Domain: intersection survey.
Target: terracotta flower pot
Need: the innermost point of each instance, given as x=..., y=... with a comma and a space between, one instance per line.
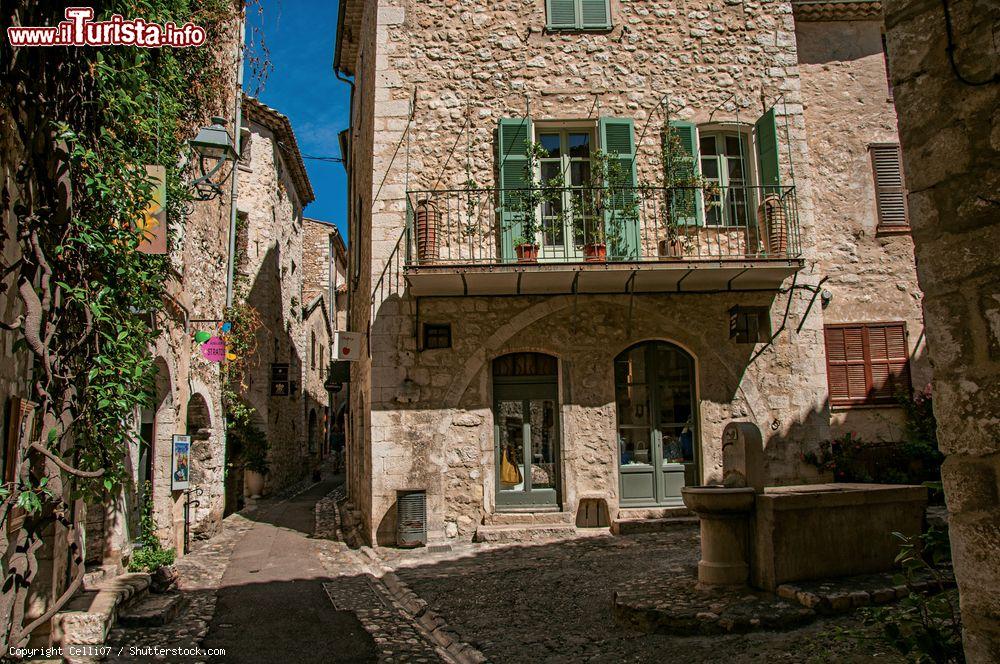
x=254, y=483
x=527, y=253
x=670, y=249
x=428, y=223
x=595, y=252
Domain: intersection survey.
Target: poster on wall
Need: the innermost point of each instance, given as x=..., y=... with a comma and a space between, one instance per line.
x=180, y=465
x=153, y=224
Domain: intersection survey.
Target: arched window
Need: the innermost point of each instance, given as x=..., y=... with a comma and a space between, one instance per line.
x=656, y=407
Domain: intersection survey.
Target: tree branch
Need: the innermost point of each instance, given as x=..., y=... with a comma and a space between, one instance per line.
x=38, y=447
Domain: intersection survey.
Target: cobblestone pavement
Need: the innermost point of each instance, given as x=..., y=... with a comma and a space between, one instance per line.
x=349, y=579
x=553, y=603
x=199, y=575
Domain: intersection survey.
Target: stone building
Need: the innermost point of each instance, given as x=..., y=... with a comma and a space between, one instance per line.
x=946, y=85
x=274, y=189
x=536, y=362
x=324, y=291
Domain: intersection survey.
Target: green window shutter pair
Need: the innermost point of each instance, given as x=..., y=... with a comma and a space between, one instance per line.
x=617, y=136
x=578, y=14
x=621, y=213
x=685, y=203
x=513, y=138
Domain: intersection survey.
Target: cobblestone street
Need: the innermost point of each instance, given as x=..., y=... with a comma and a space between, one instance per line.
x=548, y=602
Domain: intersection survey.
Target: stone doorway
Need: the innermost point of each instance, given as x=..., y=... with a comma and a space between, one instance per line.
x=526, y=431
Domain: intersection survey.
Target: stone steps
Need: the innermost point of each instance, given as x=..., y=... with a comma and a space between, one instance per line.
x=153, y=611
x=640, y=526
x=89, y=616
x=524, y=532
x=528, y=518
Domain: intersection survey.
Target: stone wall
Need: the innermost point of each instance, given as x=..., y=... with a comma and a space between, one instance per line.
x=950, y=132
x=272, y=272
x=871, y=273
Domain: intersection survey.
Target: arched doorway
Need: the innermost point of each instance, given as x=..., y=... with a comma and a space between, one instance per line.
x=526, y=430
x=311, y=432
x=656, y=405
x=199, y=427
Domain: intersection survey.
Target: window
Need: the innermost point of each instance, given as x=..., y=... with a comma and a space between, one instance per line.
x=568, y=223
x=578, y=14
x=725, y=163
x=890, y=190
x=750, y=325
x=437, y=336
x=867, y=363
x=312, y=351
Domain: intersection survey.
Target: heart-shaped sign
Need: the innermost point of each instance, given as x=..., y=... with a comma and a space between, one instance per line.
x=346, y=350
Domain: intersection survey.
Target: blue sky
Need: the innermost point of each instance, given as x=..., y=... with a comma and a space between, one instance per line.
x=300, y=35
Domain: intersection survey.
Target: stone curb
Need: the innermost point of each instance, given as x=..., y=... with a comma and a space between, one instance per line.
x=90, y=615
x=844, y=602
x=436, y=627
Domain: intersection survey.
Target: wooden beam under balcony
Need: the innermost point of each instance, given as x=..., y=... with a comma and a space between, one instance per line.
x=680, y=276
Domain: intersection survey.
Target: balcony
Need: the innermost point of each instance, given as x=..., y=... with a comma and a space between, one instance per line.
x=599, y=240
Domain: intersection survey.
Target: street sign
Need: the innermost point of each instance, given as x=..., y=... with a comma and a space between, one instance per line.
x=214, y=350
x=348, y=345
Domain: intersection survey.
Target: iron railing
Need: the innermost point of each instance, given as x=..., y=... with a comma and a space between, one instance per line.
x=600, y=224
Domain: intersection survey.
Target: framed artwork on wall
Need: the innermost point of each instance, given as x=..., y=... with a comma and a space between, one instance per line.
x=180, y=463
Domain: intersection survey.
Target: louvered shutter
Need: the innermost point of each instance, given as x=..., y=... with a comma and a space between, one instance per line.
x=766, y=137
x=513, y=136
x=889, y=361
x=595, y=14
x=685, y=203
x=890, y=193
x=621, y=224
x=561, y=14
x=867, y=363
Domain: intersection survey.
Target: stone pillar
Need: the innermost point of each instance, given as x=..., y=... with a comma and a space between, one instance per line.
x=949, y=130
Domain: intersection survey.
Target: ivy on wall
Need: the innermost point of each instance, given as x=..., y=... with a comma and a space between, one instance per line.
x=79, y=126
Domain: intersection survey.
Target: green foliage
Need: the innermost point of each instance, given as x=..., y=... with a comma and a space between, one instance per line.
x=926, y=626
x=247, y=445
x=149, y=559
x=914, y=460
x=150, y=555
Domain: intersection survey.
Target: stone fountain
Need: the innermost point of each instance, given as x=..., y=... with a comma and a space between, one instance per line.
x=772, y=536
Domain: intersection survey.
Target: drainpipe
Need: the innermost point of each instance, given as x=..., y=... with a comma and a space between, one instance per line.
x=237, y=130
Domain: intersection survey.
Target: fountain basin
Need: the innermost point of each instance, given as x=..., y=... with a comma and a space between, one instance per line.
x=717, y=500
x=725, y=529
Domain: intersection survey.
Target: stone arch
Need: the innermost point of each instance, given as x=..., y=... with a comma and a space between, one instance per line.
x=164, y=427
x=311, y=431
x=496, y=343
x=199, y=427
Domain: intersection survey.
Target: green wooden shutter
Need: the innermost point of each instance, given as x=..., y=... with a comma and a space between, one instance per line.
x=621, y=213
x=767, y=152
x=685, y=203
x=513, y=137
x=595, y=14
x=561, y=14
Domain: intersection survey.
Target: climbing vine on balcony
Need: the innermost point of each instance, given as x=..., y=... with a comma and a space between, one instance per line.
x=79, y=125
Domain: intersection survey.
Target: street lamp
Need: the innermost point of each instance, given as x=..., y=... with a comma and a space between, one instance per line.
x=212, y=143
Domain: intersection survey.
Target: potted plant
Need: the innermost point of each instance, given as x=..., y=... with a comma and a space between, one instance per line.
x=525, y=206
x=249, y=444
x=527, y=251
x=681, y=183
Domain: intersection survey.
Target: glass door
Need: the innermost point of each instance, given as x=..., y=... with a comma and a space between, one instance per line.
x=654, y=395
x=724, y=163
x=526, y=432
x=567, y=221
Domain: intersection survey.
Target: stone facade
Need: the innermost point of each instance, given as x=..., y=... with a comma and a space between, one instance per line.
x=433, y=77
x=272, y=193
x=848, y=107
x=950, y=132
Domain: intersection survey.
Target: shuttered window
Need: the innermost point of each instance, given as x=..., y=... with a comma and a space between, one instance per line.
x=578, y=14
x=890, y=191
x=867, y=363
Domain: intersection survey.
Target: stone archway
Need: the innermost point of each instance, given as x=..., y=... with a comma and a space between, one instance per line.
x=199, y=427
x=164, y=417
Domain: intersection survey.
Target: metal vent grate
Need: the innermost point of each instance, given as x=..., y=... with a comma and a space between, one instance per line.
x=411, y=518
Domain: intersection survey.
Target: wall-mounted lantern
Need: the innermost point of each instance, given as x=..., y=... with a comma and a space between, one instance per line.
x=212, y=143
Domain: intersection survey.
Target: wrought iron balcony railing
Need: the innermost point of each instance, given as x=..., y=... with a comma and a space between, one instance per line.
x=489, y=226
